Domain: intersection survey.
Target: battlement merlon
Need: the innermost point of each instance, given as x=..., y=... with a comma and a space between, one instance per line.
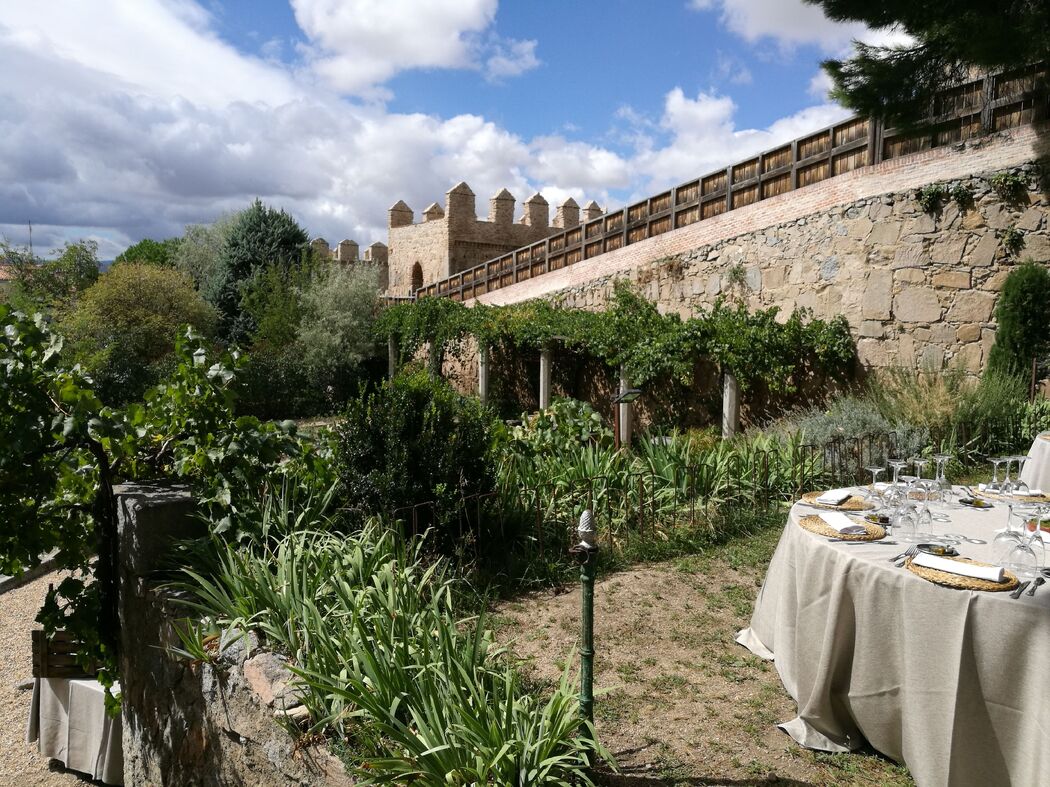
x=346, y=251
x=400, y=214
x=568, y=215
x=592, y=210
x=459, y=204
x=537, y=212
x=501, y=208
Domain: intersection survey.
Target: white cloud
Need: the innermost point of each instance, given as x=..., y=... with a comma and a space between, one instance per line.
x=357, y=45
x=510, y=58
x=792, y=23
x=162, y=124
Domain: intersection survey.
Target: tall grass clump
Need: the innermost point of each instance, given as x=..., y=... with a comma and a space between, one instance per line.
x=385, y=664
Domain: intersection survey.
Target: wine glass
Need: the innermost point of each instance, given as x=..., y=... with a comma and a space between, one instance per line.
x=874, y=495
x=920, y=463
x=1020, y=487
x=897, y=465
x=943, y=486
x=924, y=517
x=1005, y=540
x=993, y=485
x=1007, y=487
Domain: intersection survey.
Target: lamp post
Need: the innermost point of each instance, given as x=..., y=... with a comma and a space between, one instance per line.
x=586, y=554
x=624, y=397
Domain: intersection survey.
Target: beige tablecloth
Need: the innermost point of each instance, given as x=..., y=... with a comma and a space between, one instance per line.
x=953, y=683
x=68, y=718
x=1036, y=471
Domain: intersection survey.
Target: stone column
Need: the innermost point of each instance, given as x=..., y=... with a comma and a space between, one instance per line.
x=545, y=378
x=483, y=373
x=626, y=412
x=391, y=356
x=730, y=405
x=150, y=517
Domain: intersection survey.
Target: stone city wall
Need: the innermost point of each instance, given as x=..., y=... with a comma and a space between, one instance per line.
x=915, y=287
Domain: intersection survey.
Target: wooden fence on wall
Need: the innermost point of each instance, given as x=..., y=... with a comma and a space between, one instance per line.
x=990, y=103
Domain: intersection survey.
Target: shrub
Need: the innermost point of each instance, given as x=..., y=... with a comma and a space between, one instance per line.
x=1010, y=186
x=930, y=198
x=339, y=308
x=412, y=441
x=199, y=254
x=1023, y=314
x=52, y=286
x=123, y=328
x=151, y=252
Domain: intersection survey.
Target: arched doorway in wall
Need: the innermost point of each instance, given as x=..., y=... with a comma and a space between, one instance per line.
x=417, y=277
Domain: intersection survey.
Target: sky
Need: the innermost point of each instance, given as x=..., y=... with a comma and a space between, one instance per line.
x=127, y=119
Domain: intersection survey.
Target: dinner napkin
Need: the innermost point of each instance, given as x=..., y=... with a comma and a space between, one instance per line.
x=842, y=523
x=834, y=497
x=990, y=573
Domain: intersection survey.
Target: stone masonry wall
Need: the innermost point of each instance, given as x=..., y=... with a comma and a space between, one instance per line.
x=915, y=287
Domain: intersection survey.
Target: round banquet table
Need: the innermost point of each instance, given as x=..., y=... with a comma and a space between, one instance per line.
x=1036, y=471
x=953, y=683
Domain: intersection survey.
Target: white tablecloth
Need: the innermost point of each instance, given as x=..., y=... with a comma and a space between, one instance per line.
x=68, y=718
x=953, y=683
x=1036, y=471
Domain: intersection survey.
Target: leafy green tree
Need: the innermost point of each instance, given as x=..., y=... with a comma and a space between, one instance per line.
x=52, y=285
x=340, y=306
x=274, y=303
x=949, y=41
x=151, y=252
x=260, y=237
x=1023, y=313
x=123, y=328
x=199, y=254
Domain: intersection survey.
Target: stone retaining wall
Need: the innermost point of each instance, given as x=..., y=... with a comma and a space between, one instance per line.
x=916, y=287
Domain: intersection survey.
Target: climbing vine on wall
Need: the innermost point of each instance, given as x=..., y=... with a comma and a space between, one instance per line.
x=630, y=331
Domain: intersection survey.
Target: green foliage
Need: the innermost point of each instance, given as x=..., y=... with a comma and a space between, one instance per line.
x=931, y=197
x=566, y=424
x=273, y=303
x=151, y=252
x=849, y=417
x=52, y=286
x=755, y=346
x=123, y=328
x=1023, y=314
x=339, y=308
x=962, y=196
x=1011, y=187
x=414, y=440
x=261, y=237
x=64, y=451
x=1013, y=240
x=385, y=663
x=947, y=42
x=199, y=254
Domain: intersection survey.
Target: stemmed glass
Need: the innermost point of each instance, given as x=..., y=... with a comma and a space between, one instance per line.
x=920, y=464
x=1007, y=487
x=943, y=486
x=897, y=465
x=1017, y=550
x=993, y=485
x=1020, y=487
x=924, y=517
x=874, y=495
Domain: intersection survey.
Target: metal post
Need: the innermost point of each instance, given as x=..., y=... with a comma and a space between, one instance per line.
x=586, y=554
x=616, y=427
x=391, y=356
x=483, y=373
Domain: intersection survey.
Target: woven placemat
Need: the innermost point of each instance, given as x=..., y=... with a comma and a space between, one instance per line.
x=951, y=580
x=814, y=524
x=854, y=503
x=1038, y=499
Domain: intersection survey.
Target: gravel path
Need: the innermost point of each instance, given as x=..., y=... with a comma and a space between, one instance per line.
x=20, y=763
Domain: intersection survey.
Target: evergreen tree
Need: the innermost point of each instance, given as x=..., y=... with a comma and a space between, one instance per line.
x=1023, y=314
x=151, y=252
x=260, y=237
x=950, y=40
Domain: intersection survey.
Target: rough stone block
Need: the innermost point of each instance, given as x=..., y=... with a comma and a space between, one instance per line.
x=959, y=280
x=909, y=255
x=875, y=352
x=969, y=357
x=916, y=304
x=859, y=228
x=878, y=295
x=884, y=233
x=931, y=357
x=968, y=333
x=871, y=329
x=983, y=253
x=973, y=220
x=942, y=333
x=1037, y=246
x=972, y=306
x=910, y=275
x=1031, y=219
x=948, y=252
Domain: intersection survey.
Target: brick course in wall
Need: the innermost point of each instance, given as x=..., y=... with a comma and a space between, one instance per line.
x=915, y=287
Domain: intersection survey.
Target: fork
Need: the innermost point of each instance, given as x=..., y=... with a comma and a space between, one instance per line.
x=907, y=553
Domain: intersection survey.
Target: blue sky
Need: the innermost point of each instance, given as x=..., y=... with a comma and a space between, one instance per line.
x=132, y=118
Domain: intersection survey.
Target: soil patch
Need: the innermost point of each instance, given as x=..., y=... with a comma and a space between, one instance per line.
x=682, y=702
